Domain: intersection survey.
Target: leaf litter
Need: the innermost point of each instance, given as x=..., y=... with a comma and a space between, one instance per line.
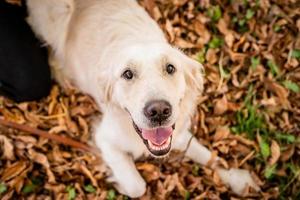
x=249, y=113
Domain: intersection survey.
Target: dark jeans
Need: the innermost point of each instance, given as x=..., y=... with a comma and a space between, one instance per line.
x=24, y=70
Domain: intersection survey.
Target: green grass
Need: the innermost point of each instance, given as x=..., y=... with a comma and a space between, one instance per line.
x=249, y=14
x=250, y=121
x=277, y=28
x=241, y=21
x=29, y=188
x=270, y=171
x=255, y=61
x=200, y=56
x=111, y=194
x=71, y=192
x=3, y=188
x=215, y=42
x=89, y=188
x=187, y=195
x=195, y=170
x=33, y=184
x=291, y=86
x=285, y=138
x=296, y=53
x=273, y=67
x=214, y=13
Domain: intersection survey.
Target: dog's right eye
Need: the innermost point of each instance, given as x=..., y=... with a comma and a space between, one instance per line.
x=128, y=74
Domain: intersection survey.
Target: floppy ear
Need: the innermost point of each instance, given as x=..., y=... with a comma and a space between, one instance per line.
x=105, y=89
x=193, y=76
x=108, y=90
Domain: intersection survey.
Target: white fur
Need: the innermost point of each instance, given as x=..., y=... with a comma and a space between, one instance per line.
x=93, y=42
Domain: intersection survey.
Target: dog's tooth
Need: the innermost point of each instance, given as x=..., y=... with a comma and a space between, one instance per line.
x=159, y=148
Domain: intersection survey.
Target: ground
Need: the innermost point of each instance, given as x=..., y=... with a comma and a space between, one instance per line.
x=249, y=114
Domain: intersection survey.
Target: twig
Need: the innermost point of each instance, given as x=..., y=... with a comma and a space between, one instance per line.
x=57, y=138
x=246, y=158
x=291, y=181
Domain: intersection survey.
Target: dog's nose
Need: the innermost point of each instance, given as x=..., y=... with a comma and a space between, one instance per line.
x=158, y=110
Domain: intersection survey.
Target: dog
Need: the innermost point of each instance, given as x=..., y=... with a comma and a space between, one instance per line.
x=146, y=89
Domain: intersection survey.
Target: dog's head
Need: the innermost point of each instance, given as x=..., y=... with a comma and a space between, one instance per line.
x=156, y=85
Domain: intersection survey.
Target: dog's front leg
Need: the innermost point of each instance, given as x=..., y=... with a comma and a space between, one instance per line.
x=236, y=179
x=125, y=174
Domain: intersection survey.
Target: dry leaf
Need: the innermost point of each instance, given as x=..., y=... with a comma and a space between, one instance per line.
x=221, y=106
x=275, y=152
x=221, y=133
x=43, y=160
x=279, y=90
x=7, y=148
x=13, y=170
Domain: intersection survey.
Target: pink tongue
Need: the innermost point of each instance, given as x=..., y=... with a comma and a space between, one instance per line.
x=157, y=136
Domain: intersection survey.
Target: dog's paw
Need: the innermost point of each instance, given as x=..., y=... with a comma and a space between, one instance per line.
x=237, y=180
x=133, y=188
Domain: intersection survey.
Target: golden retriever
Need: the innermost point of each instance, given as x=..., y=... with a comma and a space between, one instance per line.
x=146, y=89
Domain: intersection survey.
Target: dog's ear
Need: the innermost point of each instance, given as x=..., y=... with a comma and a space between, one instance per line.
x=193, y=76
x=105, y=89
x=108, y=89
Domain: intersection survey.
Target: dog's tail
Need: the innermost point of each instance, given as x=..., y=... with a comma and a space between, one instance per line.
x=50, y=20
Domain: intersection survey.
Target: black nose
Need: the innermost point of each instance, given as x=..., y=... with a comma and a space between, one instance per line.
x=158, y=110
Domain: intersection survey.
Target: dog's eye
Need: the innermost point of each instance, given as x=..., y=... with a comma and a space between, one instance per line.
x=170, y=69
x=128, y=74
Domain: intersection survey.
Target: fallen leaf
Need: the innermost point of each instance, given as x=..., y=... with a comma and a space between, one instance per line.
x=279, y=90
x=221, y=106
x=13, y=170
x=7, y=148
x=221, y=133
x=43, y=160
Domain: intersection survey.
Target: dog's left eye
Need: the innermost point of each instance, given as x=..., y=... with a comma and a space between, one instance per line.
x=170, y=69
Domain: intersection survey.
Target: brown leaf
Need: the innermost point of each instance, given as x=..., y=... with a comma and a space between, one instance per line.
x=288, y=153
x=268, y=102
x=221, y=133
x=82, y=110
x=221, y=106
x=279, y=90
x=43, y=160
x=170, y=31
x=7, y=148
x=233, y=106
x=229, y=37
x=53, y=96
x=13, y=170
x=18, y=182
x=201, y=30
x=150, y=171
x=150, y=5
x=211, y=56
x=89, y=174
x=84, y=126
x=183, y=43
x=58, y=129
x=275, y=152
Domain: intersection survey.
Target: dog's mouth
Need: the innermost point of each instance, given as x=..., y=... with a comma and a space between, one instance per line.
x=157, y=140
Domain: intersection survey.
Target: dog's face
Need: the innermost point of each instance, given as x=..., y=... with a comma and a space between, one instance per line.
x=151, y=85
